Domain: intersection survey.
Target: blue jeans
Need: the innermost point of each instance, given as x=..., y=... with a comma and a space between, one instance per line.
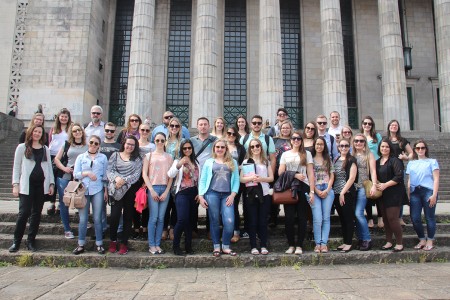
x=217, y=207
x=156, y=219
x=97, y=208
x=61, y=184
x=321, y=215
x=362, y=228
x=186, y=206
x=418, y=200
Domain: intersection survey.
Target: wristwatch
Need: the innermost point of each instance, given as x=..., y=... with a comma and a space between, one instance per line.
x=312, y=192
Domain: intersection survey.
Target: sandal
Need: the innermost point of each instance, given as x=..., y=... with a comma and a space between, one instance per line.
x=317, y=249
x=428, y=247
x=230, y=253
x=264, y=251
x=100, y=250
x=324, y=249
x=216, y=253
x=419, y=246
x=254, y=251
x=78, y=250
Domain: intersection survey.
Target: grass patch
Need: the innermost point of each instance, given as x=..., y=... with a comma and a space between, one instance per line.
x=161, y=267
x=423, y=258
x=79, y=263
x=237, y=262
x=440, y=260
x=5, y=264
x=25, y=260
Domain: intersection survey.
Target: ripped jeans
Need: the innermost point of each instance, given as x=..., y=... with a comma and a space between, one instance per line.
x=217, y=207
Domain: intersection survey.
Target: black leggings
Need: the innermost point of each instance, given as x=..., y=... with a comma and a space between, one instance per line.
x=30, y=206
x=346, y=216
x=127, y=205
x=290, y=211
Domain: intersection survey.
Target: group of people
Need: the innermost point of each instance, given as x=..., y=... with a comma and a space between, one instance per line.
x=217, y=169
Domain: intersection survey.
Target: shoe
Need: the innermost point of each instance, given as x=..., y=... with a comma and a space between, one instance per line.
x=365, y=246
x=171, y=235
x=153, y=250
x=216, y=253
x=290, y=250
x=402, y=223
x=398, y=249
x=135, y=235
x=384, y=248
x=370, y=223
x=160, y=251
x=100, y=250
x=419, y=246
x=264, y=251
x=177, y=251
x=298, y=250
x=235, y=238
x=31, y=246
x=14, y=247
x=428, y=247
x=339, y=248
x=164, y=235
x=317, y=249
x=346, y=250
x=244, y=235
x=112, y=247
x=324, y=249
x=123, y=249
x=254, y=251
x=78, y=250
x=229, y=252
x=69, y=235
x=51, y=210
x=189, y=251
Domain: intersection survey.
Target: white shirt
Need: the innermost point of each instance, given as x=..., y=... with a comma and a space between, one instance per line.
x=333, y=131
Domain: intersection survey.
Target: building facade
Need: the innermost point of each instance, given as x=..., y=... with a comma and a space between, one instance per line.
x=386, y=58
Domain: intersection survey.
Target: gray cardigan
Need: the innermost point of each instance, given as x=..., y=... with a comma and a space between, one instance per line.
x=24, y=166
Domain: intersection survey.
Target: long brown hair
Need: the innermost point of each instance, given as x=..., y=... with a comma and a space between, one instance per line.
x=128, y=128
x=57, y=125
x=347, y=157
x=71, y=139
x=29, y=141
x=373, y=133
x=301, y=149
x=325, y=153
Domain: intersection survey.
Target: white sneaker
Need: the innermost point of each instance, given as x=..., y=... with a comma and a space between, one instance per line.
x=298, y=250
x=290, y=250
x=69, y=235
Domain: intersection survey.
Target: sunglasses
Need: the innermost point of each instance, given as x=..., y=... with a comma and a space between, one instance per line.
x=76, y=130
x=231, y=133
x=220, y=147
x=296, y=138
x=322, y=123
x=110, y=130
x=168, y=117
x=367, y=123
x=257, y=146
x=257, y=123
x=134, y=120
x=310, y=128
x=174, y=126
x=145, y=130
x=344, y=146
x=160, y=141
x=93, y=143
x=96, y=113
x=359, y=141
x=421, y=148
x=282, y=115
x=346, y=132
x=129, y=144
x=187, y=148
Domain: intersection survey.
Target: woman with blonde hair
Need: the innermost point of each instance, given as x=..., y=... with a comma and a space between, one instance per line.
x=37, y=119
x=218, y=185
x=366, y=164
x=132, y=128
x=219, y=128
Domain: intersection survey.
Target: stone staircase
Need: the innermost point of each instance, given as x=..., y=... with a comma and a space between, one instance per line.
x=55, y=250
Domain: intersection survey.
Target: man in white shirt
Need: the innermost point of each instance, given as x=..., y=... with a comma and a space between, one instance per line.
x=335, y=127
x=321, y=122
x=96, y=126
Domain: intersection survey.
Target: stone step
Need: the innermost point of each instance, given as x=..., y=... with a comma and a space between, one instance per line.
x=141, y=260
x=279, y=244
x=57, y=229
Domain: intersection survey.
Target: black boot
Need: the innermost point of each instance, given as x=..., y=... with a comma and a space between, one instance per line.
x=31, y=245
x=189, y=250
x=15, y=247
x=177, y=251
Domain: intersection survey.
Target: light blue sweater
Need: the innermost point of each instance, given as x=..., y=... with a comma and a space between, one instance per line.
x=207, y=174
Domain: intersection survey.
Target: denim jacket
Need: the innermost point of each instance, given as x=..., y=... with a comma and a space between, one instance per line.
x=97, y=166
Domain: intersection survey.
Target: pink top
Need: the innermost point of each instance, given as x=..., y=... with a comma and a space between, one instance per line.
x=159, y=165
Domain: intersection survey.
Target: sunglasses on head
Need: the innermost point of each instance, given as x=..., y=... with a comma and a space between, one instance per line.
x=93, y=143
x=110, y=130
x=257, y=146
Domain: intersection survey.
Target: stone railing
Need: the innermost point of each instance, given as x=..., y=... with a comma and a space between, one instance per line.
x=9, y=125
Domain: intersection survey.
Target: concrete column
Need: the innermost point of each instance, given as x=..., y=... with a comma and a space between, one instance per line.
x=442, y=17
x=395, y=103
x=334, y=89
x=139, y=94
x=205, y=102
x=270, y=59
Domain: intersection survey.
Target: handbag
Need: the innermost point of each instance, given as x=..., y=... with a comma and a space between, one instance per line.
x=288, y=196
x=367, y=187
x=74, y=195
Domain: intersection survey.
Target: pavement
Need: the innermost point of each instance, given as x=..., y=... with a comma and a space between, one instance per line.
x=380, y=281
